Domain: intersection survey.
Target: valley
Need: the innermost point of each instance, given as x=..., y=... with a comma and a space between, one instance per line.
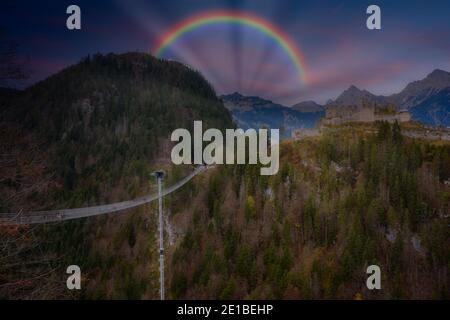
x=357, y=194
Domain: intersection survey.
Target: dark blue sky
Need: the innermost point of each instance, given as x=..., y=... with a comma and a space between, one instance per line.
x=338, y=48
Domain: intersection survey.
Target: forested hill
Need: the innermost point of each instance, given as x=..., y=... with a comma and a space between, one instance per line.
x=88, y=135
x=109, y=115
x=106, y=87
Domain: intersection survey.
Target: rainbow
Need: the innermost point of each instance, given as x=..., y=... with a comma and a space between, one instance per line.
x=227, y=16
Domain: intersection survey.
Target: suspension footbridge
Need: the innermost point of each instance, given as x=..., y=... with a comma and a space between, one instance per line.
x=56, y=215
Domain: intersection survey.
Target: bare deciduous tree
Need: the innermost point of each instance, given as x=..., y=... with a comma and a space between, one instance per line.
x=26, y=270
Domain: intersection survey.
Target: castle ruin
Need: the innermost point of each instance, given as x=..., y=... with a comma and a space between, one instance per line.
x=335, y=115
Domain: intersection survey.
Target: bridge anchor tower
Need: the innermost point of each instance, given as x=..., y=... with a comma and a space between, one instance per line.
x=160, y=176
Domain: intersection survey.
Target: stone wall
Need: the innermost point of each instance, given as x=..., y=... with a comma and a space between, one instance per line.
x=337, y=115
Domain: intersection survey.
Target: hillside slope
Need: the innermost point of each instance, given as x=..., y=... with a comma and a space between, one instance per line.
x=340, y=203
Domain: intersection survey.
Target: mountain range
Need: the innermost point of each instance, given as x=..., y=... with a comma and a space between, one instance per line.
x=255, y=112
x=428, y=101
